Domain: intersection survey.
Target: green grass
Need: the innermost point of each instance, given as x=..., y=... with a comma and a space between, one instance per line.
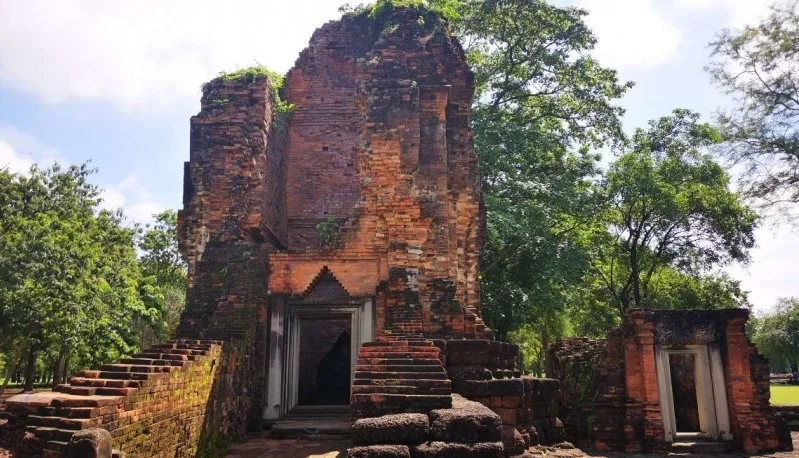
x=784, y=395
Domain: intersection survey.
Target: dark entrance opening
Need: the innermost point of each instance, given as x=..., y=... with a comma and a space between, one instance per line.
x=683, y=389
x=325, y=361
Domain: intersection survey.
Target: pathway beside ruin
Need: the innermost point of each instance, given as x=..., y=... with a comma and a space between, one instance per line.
x=297, y=448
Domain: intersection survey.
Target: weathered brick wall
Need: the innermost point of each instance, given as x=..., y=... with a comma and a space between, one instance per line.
x=593, y=398
x=234, y=183
x=485, y=371
x=753, y=418
x=159, y=409
x=610, y=386
x=379, y=141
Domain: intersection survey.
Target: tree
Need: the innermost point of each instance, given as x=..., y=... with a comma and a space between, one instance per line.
x=69, y=277
x=757, y=65
x=776, y=335
x=164, y=278
x=541, y=102
x=668, y=204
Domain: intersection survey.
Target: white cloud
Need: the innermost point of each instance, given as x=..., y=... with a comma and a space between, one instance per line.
x=145, y=55
x=10, y=159
x=774, y=270
x=19, y=150
x=137, y=202
x=632, y=34
x=737, y=13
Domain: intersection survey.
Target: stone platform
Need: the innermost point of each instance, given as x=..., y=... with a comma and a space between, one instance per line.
x=314, y=423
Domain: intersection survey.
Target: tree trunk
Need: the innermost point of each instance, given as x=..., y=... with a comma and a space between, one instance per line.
x=9, y=373
x=635, y=272
x=30, y=370
x=66, y=368
x=60, y=369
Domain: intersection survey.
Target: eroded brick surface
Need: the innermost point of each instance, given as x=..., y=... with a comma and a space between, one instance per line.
x=610, y=386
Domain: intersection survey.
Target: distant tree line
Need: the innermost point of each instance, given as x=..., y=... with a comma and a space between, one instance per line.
x=78, y=286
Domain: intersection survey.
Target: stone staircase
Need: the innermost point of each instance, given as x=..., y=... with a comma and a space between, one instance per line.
x=399, y=374
x=701, y=446
x=109, y=398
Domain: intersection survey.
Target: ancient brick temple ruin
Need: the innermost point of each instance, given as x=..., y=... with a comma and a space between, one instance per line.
x=669, y=379
x=333, y=260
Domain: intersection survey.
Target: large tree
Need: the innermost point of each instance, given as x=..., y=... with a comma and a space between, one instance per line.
x=759, y=67
x=542, y=101
x=668, y=204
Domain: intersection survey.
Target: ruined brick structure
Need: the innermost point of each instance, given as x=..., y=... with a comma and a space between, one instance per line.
x=340, y=239
x=617, y=392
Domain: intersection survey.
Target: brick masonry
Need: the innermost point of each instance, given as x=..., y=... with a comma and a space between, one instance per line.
x=378, y=147
x=155, y=404
x=610, y=388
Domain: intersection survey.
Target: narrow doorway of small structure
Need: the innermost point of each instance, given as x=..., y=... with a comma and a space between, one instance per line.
x=692, y=392
x=683, y=388
x=325, y=361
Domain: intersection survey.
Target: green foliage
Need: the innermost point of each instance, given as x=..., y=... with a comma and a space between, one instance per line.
x=328, y=233
x=281, y=110
x=667, y=204
x=163, y=283
x=541, y=102
x=380, y=10
x=72, y=290
x=757, y=67
x=776, y=334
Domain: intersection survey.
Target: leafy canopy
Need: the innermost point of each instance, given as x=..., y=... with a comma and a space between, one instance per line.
x=757, y=66
x=668, y=203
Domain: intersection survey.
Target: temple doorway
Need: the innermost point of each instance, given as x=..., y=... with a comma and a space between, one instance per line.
x=325, y=361
x=692, y=392
x=313, y=344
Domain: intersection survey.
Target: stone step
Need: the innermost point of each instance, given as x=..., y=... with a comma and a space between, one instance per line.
x=700, y=446
x=104, y=382
x=129, y=375
x=167, y=356
x=142, y=369
x=399, y=375
x=152, y=362
x=47, y=433
x=399, y=361
x=77, y=412
x=376, y=404
x=57, y=446
x=400, y=349
x=400, y=368
x=383, y=389
x=397, y=343
x=425, y=384
x=91, y=390
x=395, y=355
x=74, y=424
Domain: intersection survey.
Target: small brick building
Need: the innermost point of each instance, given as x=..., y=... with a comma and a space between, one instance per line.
x=667, y=376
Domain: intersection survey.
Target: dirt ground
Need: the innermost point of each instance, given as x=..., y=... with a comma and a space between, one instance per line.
x=554, y=452
x=268, y=448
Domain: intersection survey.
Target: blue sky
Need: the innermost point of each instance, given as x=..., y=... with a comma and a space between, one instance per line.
x=116, y=82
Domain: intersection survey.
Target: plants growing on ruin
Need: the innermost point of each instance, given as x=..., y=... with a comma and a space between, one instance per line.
x=281, y=109
x=329, y=234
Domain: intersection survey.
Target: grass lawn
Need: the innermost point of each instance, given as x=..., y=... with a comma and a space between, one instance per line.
x=785, y=395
